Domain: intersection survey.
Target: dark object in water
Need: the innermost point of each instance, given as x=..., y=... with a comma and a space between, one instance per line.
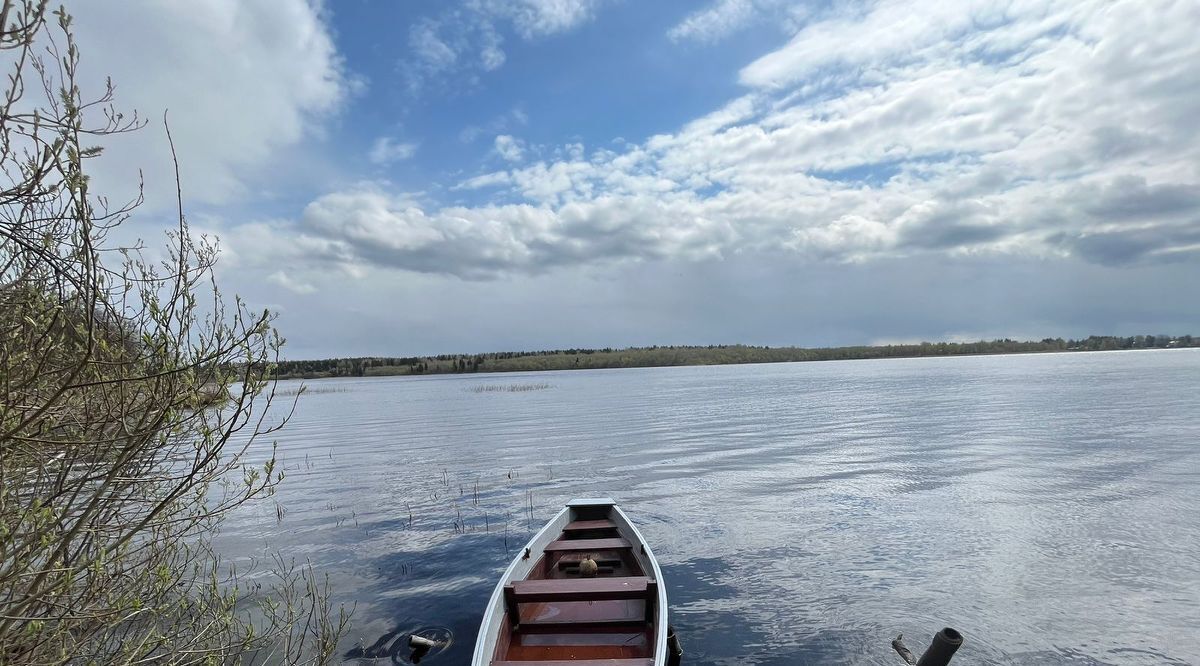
x=421, y=647
x=547, y=610
x=945, y=643
x=674, y=650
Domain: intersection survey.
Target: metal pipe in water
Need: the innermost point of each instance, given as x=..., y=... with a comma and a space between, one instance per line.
x=945, y=643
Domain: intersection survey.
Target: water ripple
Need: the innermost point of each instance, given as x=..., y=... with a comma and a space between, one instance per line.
x=803, y=513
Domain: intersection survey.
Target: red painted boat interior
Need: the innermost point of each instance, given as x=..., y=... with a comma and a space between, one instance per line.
x=567, y=618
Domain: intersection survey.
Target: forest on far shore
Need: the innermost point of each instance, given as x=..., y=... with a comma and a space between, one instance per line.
x=659, y=356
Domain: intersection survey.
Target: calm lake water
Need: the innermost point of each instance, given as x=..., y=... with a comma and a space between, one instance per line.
x=1047, y=506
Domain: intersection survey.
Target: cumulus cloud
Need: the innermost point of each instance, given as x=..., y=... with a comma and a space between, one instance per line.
x=1040, y=129
x=510, y=148
x=228, y=118
x=368, y=226
x=386, y=150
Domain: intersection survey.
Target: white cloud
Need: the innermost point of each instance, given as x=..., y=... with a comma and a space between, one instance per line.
x=371, y=226
x=386, y=150
x=486, y=180
x=243, y=82
x=535, y=18
x=510, y=148
x=492, y=57
x=724, y=17
x=468, y=38
x=890, y=34
x=1050, y=129
x=429, y=47
x=287, y=282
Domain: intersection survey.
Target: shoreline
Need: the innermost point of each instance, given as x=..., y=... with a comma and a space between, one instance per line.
x=685, y=356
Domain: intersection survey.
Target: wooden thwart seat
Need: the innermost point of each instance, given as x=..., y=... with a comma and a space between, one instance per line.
x=630, y=622
x=587, y=525
x=579, y=589
x=580, y=662
x=574, y=545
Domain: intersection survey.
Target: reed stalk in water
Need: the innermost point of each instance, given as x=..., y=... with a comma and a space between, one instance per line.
x=509, y=388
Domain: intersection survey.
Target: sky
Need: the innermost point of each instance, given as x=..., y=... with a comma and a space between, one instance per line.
x=446, y=176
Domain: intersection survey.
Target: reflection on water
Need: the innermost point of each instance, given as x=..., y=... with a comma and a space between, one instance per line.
x=1045, y=505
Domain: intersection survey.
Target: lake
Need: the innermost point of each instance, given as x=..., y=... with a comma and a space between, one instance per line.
x=1047, y=506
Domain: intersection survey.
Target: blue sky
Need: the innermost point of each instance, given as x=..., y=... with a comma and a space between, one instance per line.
x=610, y=77
x=456, y=176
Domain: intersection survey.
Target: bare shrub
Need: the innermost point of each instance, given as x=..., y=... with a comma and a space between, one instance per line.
x=129, y=392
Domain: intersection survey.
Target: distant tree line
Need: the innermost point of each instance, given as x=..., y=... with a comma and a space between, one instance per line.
x=658, y=356
x=380, y=366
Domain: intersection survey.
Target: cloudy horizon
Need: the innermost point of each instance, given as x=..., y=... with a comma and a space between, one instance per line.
x=489, y=175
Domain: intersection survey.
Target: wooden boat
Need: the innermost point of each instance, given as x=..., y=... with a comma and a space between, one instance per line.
x=545, y=611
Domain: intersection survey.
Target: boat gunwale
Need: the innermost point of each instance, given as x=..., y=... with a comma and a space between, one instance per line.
x=660, y=611
x=485, y=642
